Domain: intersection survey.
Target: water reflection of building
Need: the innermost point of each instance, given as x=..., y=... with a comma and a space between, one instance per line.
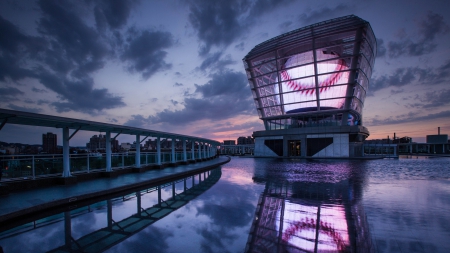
x=310, y=217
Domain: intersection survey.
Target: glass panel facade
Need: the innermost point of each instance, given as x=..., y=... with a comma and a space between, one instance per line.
x=298, y=76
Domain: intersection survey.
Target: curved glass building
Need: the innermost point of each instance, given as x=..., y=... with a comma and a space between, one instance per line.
x=309, y=87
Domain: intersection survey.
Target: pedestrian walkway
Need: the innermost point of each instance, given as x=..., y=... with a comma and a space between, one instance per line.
x=17, y=204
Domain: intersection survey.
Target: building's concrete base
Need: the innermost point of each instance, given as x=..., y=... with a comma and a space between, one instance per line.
x=310, y=142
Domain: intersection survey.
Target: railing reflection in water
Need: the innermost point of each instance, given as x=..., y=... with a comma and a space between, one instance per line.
x=165, y=199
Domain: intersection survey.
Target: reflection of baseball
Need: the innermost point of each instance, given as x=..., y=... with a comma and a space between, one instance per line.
x=325, y=230
x=301, y=79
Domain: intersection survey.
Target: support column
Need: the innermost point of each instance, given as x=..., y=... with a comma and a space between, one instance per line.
x=108, y=151
x=159, y=195
x=138, y=151
x=138, y=198
x=199, y=150
x=109, y=213
x=184, y=151
x=204, y=150
x=66, y=150
x=158, y=150
x=173, y=150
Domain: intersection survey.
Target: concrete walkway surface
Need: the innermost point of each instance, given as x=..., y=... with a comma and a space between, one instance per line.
x=18, y=204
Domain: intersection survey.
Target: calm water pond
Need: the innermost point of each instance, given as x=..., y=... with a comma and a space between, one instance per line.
x=263, y=205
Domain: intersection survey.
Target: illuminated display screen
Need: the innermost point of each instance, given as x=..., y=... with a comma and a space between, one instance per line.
x=298, y=82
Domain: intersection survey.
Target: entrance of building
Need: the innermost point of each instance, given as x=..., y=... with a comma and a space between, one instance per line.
x=294, y=148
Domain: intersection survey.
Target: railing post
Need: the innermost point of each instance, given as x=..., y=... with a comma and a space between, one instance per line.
x=66, y=159
x=184, y=150
x=158, y=150
x=173, y=150
x=32, y=167
x=123, y=160
x=108, y=151
x=138, y=151
x=88, y=166
x=193, y=150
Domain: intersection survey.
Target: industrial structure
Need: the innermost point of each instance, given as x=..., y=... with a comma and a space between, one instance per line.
x=309, y=87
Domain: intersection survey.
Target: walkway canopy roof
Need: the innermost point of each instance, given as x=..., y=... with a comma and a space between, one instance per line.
x=35, y=119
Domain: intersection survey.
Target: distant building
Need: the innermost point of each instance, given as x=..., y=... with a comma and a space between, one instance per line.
x=437, y=139
x=99, y=143
x=49, y=143
x=125, y=146
x=229, y=142
x=245, y=140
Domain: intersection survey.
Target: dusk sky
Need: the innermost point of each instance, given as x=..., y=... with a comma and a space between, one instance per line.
x=176, y=66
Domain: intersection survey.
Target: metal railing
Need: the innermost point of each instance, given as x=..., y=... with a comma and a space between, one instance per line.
x=32, y=166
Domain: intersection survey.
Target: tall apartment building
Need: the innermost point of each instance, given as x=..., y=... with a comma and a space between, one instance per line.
x=99, y=143
x=245, y=140
x=49, y=143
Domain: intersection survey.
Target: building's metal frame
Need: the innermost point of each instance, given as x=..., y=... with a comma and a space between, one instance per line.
x=348, y=40
x=265, y=61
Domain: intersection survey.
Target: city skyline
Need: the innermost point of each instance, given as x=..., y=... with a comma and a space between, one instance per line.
x=177, y=66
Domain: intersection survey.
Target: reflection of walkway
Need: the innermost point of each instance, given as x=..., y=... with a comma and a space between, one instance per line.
x=310, y=217
x=20, y=205
x=117, y=232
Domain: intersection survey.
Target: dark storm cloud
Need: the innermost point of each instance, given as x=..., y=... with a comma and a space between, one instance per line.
x=400, y=77
x=16, y=47
x=75, y=47
x=24, y=108
x=410, y=48
x=285, y=25
x=411, y=76
x=428, y=29
x=136, y=121
x=144, y=52
x=381, y=48
x=65, y=53
x=409, y=117
x=325, y=13
x=260, y=7
x=34, y=89
x=214, y=62
x=227, y=83
x=112, y=13
x=10, y=91
x=432, y=99
x=432, y=25
x=217, y=22
x=240, y=46
x=225, y=95
x=395, y=92
x=79, y=95
x=220, y=23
